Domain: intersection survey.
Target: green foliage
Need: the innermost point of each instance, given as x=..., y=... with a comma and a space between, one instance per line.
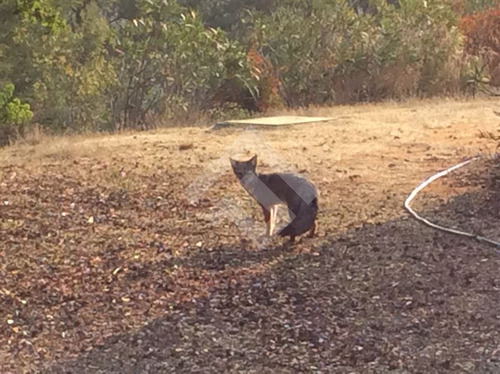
x=72, y=74
x=328, y=53
x=58, y=63
x=308, y=42
x=475, y=6
x=89, y=65
x=14, y=115
x=428, y=40
x=41, y=13
x=168, y=63
x=229, y=15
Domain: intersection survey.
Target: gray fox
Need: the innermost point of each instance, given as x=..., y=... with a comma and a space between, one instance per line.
x=270, y=190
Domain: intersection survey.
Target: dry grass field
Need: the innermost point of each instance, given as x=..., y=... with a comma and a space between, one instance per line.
x=121, y=254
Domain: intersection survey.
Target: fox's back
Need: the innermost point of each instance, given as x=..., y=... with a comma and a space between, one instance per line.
x=286, y=188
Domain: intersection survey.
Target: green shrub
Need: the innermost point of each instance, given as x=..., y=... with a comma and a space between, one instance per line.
x=169, y=64
x=14, y=115
x=326, y=53
x=58, y=61
x=474, y=6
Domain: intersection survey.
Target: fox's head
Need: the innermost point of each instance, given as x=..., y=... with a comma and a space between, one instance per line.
x=242, y=168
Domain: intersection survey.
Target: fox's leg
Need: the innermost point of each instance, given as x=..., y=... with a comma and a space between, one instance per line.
x=274, y=215
x=292, y=238
x=313, y=230
x=267, y=218
x=271, y=222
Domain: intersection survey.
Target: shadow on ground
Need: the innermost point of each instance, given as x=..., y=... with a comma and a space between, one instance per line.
x=391, y=298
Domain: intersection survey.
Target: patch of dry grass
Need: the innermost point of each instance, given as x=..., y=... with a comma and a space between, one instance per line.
x=414, y=115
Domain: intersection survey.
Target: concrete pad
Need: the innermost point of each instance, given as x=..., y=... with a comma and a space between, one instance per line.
x=273, y=121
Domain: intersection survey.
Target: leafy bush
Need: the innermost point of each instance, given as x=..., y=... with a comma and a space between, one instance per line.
x=474, y=6
x=429, y=42
x=168, y=63
x=229, y=15
x=60, y=62
x=327, y=53
x=14, y=115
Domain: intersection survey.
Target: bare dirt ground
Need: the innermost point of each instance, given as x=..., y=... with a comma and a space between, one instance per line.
x=117, y=255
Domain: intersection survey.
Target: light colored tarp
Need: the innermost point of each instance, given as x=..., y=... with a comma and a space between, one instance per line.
x=273, y=121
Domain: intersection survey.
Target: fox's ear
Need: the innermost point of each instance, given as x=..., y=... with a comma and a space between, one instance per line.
x=253, y=161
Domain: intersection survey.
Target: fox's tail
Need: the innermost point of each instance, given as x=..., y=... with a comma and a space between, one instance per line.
x=304, y=219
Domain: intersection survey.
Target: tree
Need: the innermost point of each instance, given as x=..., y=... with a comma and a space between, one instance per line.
x=58, y=63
